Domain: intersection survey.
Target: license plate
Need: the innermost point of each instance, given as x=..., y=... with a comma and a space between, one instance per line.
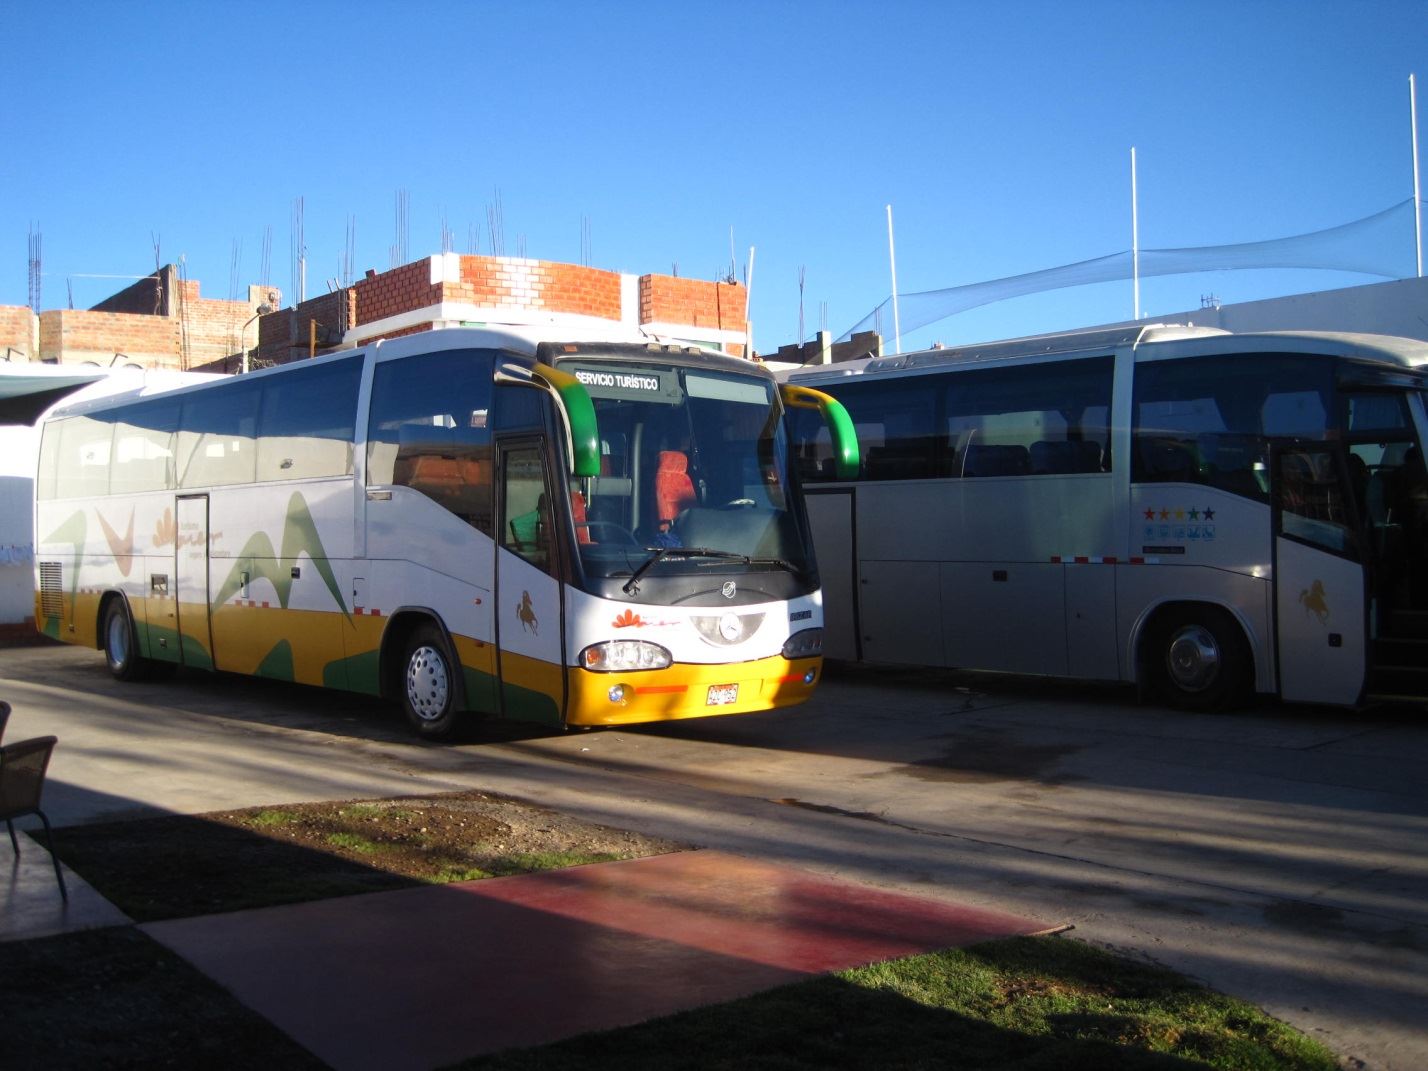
x=722, y=694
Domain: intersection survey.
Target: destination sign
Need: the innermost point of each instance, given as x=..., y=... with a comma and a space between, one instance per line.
x=654, y=385
x=620, y=380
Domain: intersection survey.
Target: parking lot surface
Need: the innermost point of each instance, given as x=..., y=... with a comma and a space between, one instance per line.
x=1276, y=854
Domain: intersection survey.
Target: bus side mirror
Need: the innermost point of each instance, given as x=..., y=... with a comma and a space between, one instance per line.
x=846, y=460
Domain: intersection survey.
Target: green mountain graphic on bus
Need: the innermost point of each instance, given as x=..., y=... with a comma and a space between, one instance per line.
x=299, y=535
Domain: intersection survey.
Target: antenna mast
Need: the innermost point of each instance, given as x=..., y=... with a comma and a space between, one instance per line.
x=34, y=269
x=802, y=274
x=298, y=246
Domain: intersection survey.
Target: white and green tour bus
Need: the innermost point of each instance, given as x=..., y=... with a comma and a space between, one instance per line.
x=1205, y=514
x=465, y=520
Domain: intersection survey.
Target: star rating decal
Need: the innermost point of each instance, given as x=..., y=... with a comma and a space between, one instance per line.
x=1178, y=523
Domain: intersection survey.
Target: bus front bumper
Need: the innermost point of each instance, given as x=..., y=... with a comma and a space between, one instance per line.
x=685, y=690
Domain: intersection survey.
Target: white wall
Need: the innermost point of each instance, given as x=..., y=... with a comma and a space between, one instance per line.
x=19, y=448
x=1394, y=308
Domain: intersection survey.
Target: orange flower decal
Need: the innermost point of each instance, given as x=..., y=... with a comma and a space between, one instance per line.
x=165, y=532
x=628, y=619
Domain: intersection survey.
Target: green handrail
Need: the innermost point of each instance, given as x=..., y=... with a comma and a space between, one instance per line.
x=846, y=460
x=580, y=419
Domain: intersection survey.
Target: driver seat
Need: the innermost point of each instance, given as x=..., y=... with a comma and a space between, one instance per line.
x=579, y=516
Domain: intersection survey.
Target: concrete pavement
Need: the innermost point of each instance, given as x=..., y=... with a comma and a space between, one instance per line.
x=1276, y=854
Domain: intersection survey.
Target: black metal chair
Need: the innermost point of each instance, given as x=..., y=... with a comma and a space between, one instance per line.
x=22, y=780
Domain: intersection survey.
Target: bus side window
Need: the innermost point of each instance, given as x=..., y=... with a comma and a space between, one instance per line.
x=1311, y=499
x=217, y=439
x=143, y=447
x=528, y=528
x=1208, y=420
x=429, y=430
x=306, y=423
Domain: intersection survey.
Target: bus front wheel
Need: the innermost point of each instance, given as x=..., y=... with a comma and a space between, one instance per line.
x=429, y=684
x=1198, y=659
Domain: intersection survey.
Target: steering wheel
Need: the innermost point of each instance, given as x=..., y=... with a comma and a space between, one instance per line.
x=626, y=536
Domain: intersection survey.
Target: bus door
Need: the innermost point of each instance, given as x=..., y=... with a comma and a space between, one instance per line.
x=830, y=516
x=1320, y=586
x=191, y=580
x=529, y=612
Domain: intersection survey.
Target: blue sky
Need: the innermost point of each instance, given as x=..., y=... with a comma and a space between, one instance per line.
x=999, y=134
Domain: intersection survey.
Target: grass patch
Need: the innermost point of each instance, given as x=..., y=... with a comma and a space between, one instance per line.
x=268, y=818
x=353, y=842
x=173, y=867
x=1031, y=1004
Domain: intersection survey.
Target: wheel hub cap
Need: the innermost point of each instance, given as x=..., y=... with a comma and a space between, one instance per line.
x=118, y=640
x=1193, y=658
x=427, y=683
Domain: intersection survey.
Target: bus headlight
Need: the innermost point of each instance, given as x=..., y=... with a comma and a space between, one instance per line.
x=622, y=656
x=805, y=644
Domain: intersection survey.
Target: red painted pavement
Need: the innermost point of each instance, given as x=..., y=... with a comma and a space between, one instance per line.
x=428, y=976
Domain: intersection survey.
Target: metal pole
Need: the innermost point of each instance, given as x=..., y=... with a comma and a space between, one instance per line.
x=892, y=263
x=1135, y=240
x=243, y=340
x=748, y=296
x=1417, y=203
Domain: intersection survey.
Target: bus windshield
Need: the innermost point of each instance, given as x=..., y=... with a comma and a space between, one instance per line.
x=693, y=462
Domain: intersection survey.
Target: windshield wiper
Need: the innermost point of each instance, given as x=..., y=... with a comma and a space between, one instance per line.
x=782, y=563
x=633, y=584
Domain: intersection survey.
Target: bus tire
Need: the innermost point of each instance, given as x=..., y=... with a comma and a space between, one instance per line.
x=121, y=643
x=1199, y=659
x=429, y=684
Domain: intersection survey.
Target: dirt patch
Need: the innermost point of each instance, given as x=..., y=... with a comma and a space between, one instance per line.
x=175, y=867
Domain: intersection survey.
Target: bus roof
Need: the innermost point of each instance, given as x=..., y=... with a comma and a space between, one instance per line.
x=1099, y=339
x=1174, y=339
x=527, y=343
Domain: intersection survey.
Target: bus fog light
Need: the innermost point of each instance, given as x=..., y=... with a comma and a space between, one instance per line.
x=805, y=644
x=808, y=677
x=622, y=656
x=617, y=693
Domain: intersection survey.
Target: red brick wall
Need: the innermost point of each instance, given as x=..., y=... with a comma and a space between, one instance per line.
x=394, y=292
x=78, y=335
x=413, y=330
x=501, y=282
x=210, y=328
x=667, y=299
x=213, y=328
x=286, y=335
x=537, y=284
x=17, y=332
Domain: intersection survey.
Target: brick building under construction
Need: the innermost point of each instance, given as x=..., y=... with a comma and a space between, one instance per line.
x=163, y=322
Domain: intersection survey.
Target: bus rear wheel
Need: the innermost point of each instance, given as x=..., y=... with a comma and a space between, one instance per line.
x=429, y=684
x=121, y=646
x=1199, y=660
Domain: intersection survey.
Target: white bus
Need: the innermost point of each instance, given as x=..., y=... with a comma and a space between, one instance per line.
x=1201, y=513
x=464, y=520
